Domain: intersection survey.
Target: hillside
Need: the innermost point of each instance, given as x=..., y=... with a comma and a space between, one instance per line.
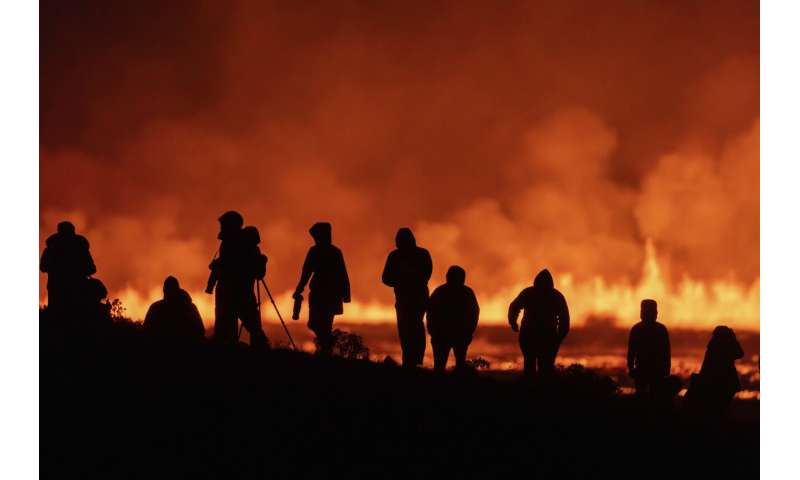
x=122, y=406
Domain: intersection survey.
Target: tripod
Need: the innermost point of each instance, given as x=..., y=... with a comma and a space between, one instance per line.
x=259, y=284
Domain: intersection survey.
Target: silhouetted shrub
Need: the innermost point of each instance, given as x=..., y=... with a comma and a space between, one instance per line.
x=118, y=311
x=348, y=345
x=479, y=363
x=579, y=380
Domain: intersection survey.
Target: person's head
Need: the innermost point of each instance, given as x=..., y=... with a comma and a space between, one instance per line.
x=456, y=275
x=171, y=287
x=404, y=238
x=66, y=228
x=722, y=335
x=649, y=310
x=230, y=222
x=543, y=279
x=95, y=290
x=321, y=232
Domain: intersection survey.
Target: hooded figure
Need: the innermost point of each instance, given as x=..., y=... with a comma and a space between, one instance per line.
x=407, y=271
x=94, y=314
x=68, y=264
x=649, y=358
x=174, y=318
x=715, y=386
x=329, y=288
x=235, y=272
x=545, y=323
x=452, y=319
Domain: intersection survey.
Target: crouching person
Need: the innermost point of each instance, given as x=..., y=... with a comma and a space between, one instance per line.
x=452, y=319
x=175, y=318
x=712, y=390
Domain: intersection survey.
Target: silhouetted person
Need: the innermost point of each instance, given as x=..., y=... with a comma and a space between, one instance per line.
x=67, y=262
x=649, y=357
x=545, y=324
x=239, y=265
x=174, y=318
x=713, y=389
x=407, y=271
x=329, y=288
x=92, y=315
x=452, y=319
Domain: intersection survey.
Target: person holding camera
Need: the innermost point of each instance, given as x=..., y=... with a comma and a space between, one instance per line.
x=325, y=273
x=233, y=275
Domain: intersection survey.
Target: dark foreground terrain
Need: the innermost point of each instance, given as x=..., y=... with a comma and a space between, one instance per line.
x=123, y=407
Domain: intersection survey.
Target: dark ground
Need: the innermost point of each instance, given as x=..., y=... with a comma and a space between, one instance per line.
x=124, y=408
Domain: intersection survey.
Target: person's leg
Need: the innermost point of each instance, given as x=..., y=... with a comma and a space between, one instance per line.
x=547, y=359
x=418, y=334
x=251, y=319
x=460, y=352
x=441, y=350
x=528, y=355
x=224, y=319
x=403, y=333
x=320, y=321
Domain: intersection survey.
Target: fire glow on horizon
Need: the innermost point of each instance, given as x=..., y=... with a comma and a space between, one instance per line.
x=690, y=304
x=510, y=137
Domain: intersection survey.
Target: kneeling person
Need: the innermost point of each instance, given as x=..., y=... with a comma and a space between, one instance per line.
x=452, y=319
x=175, y=318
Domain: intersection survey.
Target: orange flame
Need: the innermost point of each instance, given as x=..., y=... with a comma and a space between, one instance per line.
x=690, y=303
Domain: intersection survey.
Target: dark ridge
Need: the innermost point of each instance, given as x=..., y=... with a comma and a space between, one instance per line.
x=123, y=406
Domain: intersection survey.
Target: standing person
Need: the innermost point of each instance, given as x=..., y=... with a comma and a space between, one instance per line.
x=407, y=271
x=235, y=272
x=649, y=357
x=545, y=324
x=329, y=288
x=68, y=264
x=712, y=390
x=452, y=319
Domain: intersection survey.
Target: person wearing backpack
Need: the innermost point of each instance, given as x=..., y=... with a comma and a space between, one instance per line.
x=545, y=324
x=68, y=264
x=239, y=265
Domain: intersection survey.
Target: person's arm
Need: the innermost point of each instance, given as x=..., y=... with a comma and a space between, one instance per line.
x=44, y=264
x=427, y=266
x=88, y=261
x=389, y=276
x=667, y=354
x=632, y=348
x=563, y=317
x=513, y=311
x=345, y=280
x=197, y=323
x=475, y=311
x=737, y=349
x=432, y=313
x=305, y=274
x=91, y=269
x=148, y=318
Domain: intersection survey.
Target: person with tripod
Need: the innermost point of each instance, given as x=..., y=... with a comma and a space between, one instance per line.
x=233, y=275
x=329, y=288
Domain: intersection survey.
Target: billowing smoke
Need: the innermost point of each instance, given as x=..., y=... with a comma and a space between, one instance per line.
x=509, y=137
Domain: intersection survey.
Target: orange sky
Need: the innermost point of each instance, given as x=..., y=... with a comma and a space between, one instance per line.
x=509, y=136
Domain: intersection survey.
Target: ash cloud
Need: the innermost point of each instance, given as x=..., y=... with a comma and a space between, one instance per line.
x=509, y=136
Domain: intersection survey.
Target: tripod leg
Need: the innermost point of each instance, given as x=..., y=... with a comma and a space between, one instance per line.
x=269, y=294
